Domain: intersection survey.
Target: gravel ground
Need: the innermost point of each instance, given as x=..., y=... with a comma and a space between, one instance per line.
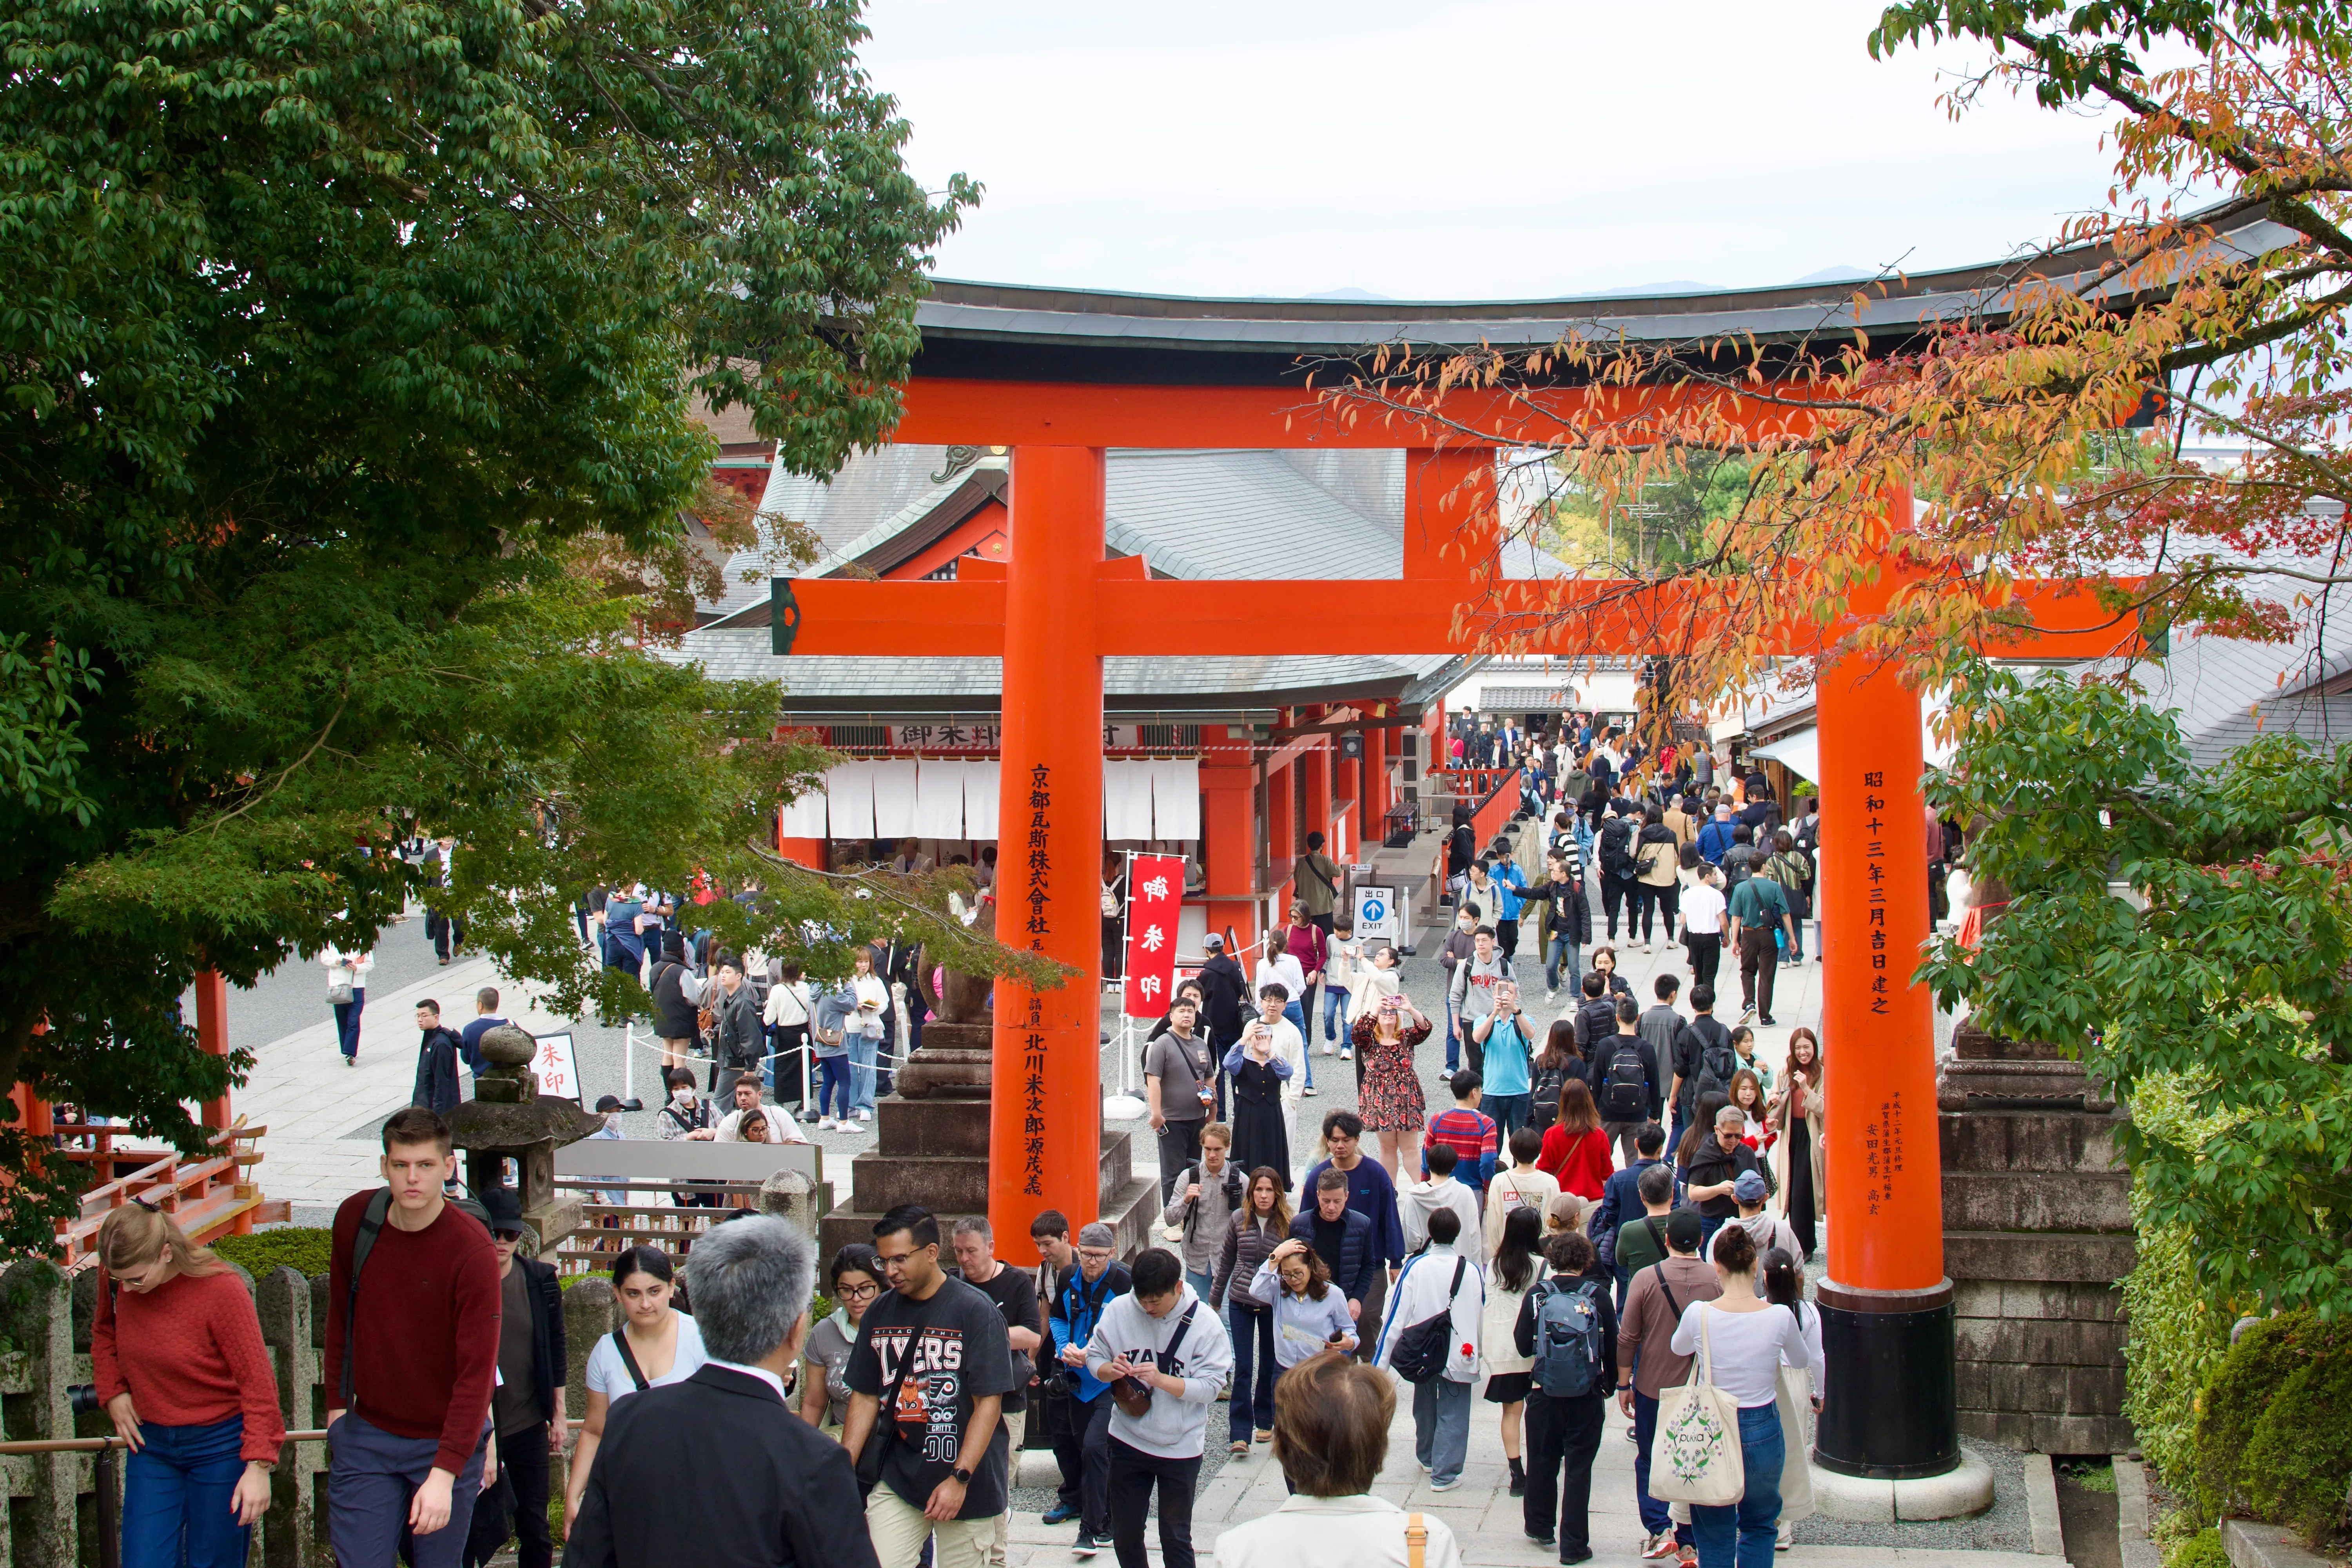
x=2001, y=1528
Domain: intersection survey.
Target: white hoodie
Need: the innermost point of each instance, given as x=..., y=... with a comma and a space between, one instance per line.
x=1174, y=1426
x=1418, y=1201
x=1420, y=1294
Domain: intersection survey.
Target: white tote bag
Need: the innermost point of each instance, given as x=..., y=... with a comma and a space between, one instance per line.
x=1696, y=1457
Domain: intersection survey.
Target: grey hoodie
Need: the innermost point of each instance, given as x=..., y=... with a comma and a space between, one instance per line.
x=1416, y=1203
x=1174, y=1426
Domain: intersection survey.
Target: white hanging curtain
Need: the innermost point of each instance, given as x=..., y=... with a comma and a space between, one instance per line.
x=1127, y=800
x=1176, y=798
x=803, y=818
x=893, y=800
x=939, y=800
x=980, y=783
x=849, y=800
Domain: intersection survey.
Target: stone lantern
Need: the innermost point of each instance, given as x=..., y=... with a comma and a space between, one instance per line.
x=509, y=1119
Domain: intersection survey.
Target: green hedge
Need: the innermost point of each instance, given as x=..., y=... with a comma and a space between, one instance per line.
x=2176, y=1337
x=2275, y=1431
x=303, y=1248
x=2202, y=1549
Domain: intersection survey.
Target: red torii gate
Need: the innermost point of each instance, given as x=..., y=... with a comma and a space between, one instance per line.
x=1062, y=378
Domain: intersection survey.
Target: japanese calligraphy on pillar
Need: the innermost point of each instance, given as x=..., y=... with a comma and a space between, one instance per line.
x=1155, y=892
x=1882, y=1151
x=1033, y=1024
x=1873, y=872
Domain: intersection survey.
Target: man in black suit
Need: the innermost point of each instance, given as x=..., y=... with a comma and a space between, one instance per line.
x=721, y=1451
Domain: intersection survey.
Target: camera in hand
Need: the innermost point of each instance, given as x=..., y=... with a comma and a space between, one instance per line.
x=83, y=1397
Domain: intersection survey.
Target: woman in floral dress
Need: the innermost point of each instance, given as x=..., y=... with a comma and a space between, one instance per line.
x=1391, y=1101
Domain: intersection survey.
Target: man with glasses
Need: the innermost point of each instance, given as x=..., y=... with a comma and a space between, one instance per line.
x=1082, y=1434
x=1715, y=1168
x=933, y=1350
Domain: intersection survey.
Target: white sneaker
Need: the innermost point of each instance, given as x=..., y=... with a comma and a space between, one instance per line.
x=865, y=1116
x=1787, y=1537
x=1328, y=1048
x=1345, y=1055
x=1550, y=996
x=1445, y=1486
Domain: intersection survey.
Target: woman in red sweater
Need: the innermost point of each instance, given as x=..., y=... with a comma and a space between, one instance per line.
x=180, y=1367
x=1574, y=1148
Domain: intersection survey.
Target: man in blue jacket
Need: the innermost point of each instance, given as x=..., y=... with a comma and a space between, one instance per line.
x=1343, y=1238
x=1372, y=1194
x=1717, y=836
x=1080, y=1424
x=1620, y=1200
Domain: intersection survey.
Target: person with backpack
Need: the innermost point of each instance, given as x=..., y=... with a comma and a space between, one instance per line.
x=1316, y=876
x=1760, y=919
x=656, y=1346
x=1505, y=1058
x=1618, y=873
x=1165, y=1355
x=1717, y=837
x=1471, y=992
x=830, y=1018
x=1461, y=944
x=1078, y=1411
x=1206, y=1195
x=411, y=1356
x=1792, y=869
x=1657, y=881
x=1628, y=1086
x=1567, y=1330
x=1430, y=1340
x=1420, y=1202
x=678, y=997
x=1704, y=1060
x=1567, y=923
x=1648, y=1364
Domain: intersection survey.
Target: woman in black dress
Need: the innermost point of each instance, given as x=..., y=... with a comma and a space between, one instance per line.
x=1257, y=1075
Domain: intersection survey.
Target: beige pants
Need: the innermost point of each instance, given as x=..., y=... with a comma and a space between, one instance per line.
x=1016, y=1423
x=899, y=1530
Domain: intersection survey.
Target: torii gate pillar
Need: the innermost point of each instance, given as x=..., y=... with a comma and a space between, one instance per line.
x=1886, y=1305
x=1046, y=1114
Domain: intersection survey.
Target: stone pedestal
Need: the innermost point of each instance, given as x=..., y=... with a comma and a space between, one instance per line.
x=509, y=1120
x=932, y=1148
x=2037, y=1234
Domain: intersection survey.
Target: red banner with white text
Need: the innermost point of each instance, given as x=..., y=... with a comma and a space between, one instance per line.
x=1155, y=892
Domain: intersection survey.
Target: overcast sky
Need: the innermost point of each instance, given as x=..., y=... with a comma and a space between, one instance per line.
x=1484, y=148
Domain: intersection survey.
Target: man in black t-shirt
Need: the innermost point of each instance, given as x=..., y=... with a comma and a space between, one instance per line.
x=933, y=1349
x=1016, y=1295
x=1715, y=1166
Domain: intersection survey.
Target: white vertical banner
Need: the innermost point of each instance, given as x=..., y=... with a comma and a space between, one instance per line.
x=980, y=786
x=1127, y=800
x=802, y=816
x=849, y=800
x=939, y=799
x=1175, y=797
x=893, y=800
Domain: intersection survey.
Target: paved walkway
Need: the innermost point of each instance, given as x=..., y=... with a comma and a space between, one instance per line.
x=1484, y=1518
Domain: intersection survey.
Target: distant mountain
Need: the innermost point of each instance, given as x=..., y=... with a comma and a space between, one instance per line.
x=1350, y=294
x=1835, y=275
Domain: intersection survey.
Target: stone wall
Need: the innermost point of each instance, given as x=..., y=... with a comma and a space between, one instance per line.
x=2037, y=1236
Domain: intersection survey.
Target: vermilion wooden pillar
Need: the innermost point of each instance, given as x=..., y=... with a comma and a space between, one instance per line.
x=1045, y=1114
x=212, y=1037
x=1317, y=761
x=1372, y=785
x=1230, y=827
x=1887, y=1303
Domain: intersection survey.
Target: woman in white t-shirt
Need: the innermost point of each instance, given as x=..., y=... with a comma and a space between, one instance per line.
x=1744, y=1339
x=656, y=1344
x=347, y=970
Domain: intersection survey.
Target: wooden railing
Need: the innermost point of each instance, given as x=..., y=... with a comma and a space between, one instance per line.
x=208, y=1195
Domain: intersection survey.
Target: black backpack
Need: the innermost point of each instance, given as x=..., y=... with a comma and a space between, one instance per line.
x=1626, y=1091
x=1716, y=1063
x=1421, y=1351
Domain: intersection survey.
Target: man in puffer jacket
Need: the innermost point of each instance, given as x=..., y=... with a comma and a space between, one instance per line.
x=1163, y=1339
x=1428, y=1289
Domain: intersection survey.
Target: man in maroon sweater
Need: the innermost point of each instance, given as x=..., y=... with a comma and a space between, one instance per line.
x=410, y=1431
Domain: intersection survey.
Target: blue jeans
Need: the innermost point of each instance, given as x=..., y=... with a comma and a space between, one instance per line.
x=175, y=1498
x=1296, y=1014
x=1252, y=1407
x=864, y=1052
x=1452, y=1038
x=1202, y=1283
x=371, y=1481
x=1508, y=1111
x=347, y=1021
x=1655, y=1519
x=1441, y=1427
x=833, y=1079
x=1741, y=1535
x=1335, y=1013
x=1559, y=951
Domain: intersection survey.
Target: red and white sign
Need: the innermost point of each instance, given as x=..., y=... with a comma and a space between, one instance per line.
x=555, y=1067
x=1155, y=892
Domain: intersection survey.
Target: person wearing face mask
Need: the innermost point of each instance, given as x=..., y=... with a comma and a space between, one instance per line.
x=1461, y=943
x=780, y=1127
x=1261, y=1066
x=176, y=1353
x=527, y=1405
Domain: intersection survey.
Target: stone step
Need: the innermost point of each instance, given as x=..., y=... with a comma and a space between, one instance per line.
x=2029, y=1140
x=1986, y=1253
x=2030, y=1201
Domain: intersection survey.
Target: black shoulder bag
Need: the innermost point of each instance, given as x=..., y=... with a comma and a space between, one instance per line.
x=886, y=1425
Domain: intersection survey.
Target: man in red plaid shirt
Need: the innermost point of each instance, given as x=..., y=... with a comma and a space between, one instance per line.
x=1469, y=1132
